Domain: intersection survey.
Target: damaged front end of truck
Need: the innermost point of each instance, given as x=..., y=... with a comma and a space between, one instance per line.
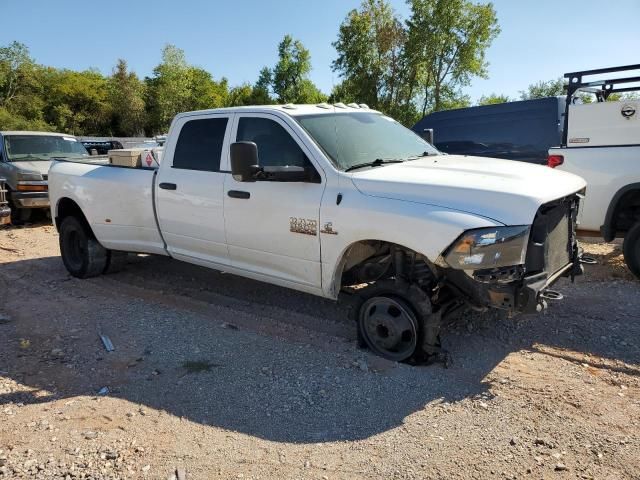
x=513, y=268
x=402, y=299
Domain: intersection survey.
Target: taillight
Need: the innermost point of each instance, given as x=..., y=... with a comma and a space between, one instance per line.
x=554, y=160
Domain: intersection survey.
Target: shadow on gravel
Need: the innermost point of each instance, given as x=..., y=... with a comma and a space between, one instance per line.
x=304, y=383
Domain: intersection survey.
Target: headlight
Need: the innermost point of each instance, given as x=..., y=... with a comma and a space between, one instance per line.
x=29, y=176
x=489, y=248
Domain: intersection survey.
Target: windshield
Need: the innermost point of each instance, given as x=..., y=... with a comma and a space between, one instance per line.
x=355, y=138
x=42, y=147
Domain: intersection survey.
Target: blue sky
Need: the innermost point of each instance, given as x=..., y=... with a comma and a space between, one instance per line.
x=540, y=39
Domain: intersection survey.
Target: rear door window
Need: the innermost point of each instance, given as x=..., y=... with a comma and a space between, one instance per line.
x=199, y=145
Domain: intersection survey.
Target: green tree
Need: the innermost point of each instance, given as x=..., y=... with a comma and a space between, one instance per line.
x=126, y=98
x=203, y=91
x=21, y=93
x=240, y=96
x=289, y=78
x=176, y=86
x=542, y=89
x=447, y=41
x=77, y=102
x=261, y=91
x=167, y=89
x=370, y=56
x=15, y=68
x=410, y=69
x=493, y=99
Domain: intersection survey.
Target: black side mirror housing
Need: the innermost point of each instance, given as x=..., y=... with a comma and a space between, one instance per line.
x=244, y=161
x=245, y=167
x=289, y=173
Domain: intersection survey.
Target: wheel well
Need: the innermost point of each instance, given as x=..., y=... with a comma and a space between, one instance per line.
x=69, y=208
x=372, y=260
x=625, y=212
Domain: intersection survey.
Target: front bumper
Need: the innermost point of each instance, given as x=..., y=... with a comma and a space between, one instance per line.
x=552, y=253
x=5, y=215
x=30, y=199
x=522, y=296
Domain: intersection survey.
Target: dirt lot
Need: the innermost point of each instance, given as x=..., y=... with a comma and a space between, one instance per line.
x=222, y=377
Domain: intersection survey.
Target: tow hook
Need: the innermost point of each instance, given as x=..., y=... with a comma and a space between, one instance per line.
x=551, y=295
x=588, y=260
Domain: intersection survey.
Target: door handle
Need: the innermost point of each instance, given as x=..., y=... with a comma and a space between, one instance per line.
x=168, y=186
x=238, y=194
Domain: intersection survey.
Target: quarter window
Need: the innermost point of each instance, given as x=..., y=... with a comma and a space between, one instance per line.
x=199, y=145
x=276, y=148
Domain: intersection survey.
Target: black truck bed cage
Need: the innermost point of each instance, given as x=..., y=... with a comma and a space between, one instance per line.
x=605, y=86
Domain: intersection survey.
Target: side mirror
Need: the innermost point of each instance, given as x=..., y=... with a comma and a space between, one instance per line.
x=244, y=161
x=427, y=134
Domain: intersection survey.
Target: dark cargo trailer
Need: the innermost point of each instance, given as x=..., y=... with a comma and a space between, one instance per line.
x=523, y=130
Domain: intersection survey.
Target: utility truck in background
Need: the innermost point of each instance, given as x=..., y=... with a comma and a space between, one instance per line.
x=336, y=201
x=601, y=143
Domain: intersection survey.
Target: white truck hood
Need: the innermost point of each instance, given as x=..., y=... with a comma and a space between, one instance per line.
x=33, y=166
x=507, y=191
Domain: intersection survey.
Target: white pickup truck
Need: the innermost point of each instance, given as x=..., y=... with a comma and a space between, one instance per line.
x=328, y=199
x=601, y=143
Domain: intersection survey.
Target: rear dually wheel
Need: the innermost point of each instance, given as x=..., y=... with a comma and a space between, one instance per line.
x=82, y=255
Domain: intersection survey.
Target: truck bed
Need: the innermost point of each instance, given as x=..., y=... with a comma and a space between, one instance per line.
x=117, y=202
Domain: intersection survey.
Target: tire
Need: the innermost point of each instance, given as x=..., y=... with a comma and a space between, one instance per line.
x=82, y=255
x=631, y=249
x=20, y=216
x=391, y=321
x=116, y=261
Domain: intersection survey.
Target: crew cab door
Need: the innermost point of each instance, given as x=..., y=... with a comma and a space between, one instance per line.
x=189, y=189
x=272, y=227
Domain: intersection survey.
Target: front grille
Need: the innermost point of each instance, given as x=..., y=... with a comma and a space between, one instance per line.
x=3, y=193
x=552, y=237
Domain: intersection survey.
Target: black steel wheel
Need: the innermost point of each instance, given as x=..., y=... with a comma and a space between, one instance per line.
x=631, y=249
x=389, y=327
x=81, y=253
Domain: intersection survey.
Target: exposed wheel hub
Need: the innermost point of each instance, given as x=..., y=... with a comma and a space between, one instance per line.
x=389, y=328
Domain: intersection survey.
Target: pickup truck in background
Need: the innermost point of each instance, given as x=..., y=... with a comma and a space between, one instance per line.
x=25, y=158
x=601, y=143
x=101, y=147
x=328, y=199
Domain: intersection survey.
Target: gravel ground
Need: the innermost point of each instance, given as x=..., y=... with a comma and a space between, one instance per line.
x=215, y=376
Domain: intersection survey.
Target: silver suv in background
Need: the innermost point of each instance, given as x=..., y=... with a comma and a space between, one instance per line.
x=25, y=158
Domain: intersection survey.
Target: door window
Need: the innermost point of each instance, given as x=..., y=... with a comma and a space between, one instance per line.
x=276, y=148
x=199, y=145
